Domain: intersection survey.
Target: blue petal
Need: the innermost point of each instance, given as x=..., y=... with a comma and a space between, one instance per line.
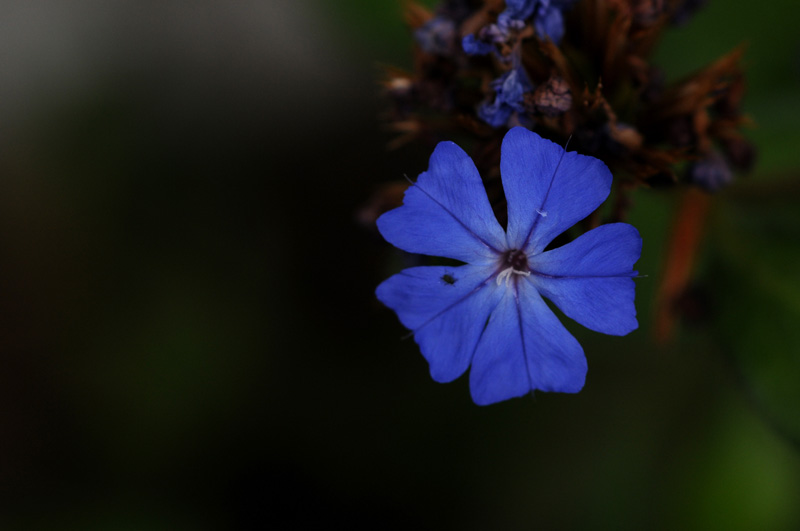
x=549, y=23
x=437, y=36
x=525, y=347
x=590, y=279
x=496, y=113
x=548, y=190
x=447, y=308
x=513, y=87
x=446, y=213
x=519, y=9
x=473, y=46
x=509, y=89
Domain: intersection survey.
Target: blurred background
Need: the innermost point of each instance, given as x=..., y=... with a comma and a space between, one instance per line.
x=188, y=333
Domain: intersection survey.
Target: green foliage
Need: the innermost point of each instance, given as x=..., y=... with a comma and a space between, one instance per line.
x=756, y=284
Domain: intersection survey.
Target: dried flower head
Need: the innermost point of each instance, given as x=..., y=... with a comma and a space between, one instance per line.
x=578, y=69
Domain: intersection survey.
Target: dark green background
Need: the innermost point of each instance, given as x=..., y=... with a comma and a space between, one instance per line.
x=188, y=333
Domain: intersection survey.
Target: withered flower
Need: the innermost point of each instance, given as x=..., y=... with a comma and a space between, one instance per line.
x=568, y=69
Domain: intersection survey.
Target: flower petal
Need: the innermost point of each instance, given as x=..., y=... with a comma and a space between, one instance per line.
x=590, y=278
x=525, y=347
x=549, y=23
x=548, y=190
x=447, y=308
x=473, y=46
x=446, y=213
x=519, y=9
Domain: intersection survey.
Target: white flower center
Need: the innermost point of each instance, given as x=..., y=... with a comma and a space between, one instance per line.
x=507, y=274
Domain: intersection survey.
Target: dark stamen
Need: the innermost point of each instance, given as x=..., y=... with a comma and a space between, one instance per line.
x=518, y=260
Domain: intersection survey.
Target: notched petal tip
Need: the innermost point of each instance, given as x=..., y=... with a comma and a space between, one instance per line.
x=541, y=176
x=481, y=399
x=448, y=156
x=446, y=212
x=525, y=348
x=591, y=278
x=446, y=308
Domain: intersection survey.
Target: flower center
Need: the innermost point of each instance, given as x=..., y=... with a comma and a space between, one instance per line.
x=515, y=262
x=518, y=260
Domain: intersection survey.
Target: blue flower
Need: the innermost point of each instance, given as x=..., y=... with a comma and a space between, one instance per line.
x=474, y=46
x=548, y=16
x=509, y=90
x=711, y=173
x=437, y=36
x=549, y=22
x=491, y=35
x=518, y=9
x=489, y=313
